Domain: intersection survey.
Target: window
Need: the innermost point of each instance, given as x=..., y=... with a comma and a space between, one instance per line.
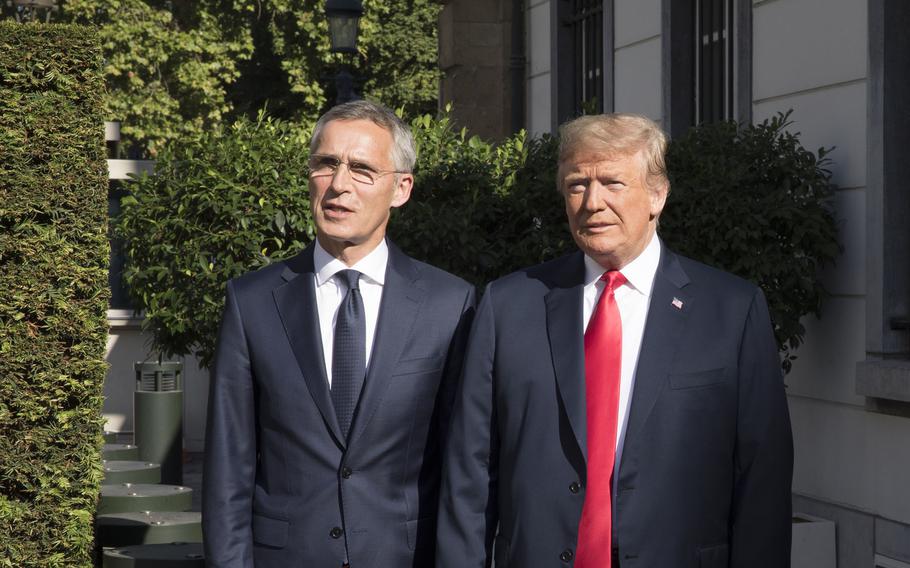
x=707, y=62
x=714, y=52
x=584, y=42
x=586, y=22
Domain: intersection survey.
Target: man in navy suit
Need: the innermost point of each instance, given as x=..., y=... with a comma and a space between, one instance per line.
x=334, y=376
x=622, y=405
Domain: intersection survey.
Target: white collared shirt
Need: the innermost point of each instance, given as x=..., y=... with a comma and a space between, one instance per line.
x=633, y=299
x=330, y=291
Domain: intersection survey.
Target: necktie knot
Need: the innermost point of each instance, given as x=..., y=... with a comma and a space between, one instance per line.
x=351, y=278
x=614, y=279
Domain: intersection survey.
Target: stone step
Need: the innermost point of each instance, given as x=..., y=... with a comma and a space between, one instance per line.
x=120, y=452
x=148, y=527
x=110, y=437
x=138, y=497
x=173, y=555
x=131, y=471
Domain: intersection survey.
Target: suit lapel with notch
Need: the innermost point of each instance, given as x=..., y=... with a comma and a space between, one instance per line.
x=296, y=302
x=566, y=337
x=667, y=314
x=402, y=296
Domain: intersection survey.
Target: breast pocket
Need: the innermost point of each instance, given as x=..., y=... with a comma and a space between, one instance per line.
x=421, y=365
x=699, y=379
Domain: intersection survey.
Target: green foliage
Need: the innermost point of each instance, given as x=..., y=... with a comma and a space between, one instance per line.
x=222, y=203
x=478, y=210
x=53, y=292
x=233, y=200
x=751, y=200
x=175, y=69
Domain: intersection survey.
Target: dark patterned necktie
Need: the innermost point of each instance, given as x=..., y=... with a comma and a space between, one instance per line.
x=348, y=351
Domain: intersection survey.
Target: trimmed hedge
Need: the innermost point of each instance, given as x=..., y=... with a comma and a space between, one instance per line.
x=53, y=292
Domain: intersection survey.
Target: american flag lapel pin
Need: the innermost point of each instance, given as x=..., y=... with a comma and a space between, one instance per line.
x=677, y=303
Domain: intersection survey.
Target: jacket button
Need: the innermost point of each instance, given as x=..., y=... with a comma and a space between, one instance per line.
x=346, y=472
x=336, y=532
x=566, y=555
x=574, y=487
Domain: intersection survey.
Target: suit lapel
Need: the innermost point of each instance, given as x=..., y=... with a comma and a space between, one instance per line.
x=667, y=316
x=401, y=300
x=564, y=331
x=296, y=301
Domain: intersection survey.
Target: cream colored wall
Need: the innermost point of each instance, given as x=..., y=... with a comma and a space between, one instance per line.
x=637, y=57
x=811, y=56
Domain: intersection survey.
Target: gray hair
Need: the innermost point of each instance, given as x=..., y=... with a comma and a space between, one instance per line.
x=619, y=134
x=404, y=152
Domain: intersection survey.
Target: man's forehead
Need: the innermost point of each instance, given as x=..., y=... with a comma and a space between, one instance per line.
x=591, y=157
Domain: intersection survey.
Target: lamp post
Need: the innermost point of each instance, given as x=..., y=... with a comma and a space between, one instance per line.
x=27, y=10
x=344, y=22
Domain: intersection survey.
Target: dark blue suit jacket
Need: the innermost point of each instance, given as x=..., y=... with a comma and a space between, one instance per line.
x=281, y=486
x=706, y=469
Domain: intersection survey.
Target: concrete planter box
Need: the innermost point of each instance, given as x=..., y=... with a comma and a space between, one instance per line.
x=813, y=542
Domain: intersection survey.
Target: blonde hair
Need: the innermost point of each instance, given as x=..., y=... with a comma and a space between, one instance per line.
x=619, y=134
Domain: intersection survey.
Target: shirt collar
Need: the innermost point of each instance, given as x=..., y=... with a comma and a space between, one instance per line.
x=639, y=273
x=372, y=266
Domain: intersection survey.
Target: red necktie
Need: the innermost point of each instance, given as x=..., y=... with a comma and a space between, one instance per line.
x=603, y=364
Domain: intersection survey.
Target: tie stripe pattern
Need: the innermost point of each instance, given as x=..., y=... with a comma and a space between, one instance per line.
x=603, y=365
x=348, y=351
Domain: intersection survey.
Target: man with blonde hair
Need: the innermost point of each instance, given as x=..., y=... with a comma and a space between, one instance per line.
x=621, y=405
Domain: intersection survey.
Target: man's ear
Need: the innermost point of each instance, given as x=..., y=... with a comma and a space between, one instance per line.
x=659, y=198
x=403, y=189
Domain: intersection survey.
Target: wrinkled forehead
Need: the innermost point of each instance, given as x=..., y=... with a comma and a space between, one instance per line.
x=583, y=157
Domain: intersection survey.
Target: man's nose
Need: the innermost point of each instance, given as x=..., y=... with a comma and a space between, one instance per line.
x=595, y=197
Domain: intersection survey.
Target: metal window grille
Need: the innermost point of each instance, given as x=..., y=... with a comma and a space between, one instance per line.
x=714, y=60
x=587, y=30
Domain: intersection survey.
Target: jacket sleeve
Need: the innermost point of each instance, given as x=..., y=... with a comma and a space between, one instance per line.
x=467, y=508
x=230, y=447
x=763, y=460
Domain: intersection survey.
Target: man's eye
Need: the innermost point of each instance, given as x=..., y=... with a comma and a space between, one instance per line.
x=325, y=163
x=576, y=188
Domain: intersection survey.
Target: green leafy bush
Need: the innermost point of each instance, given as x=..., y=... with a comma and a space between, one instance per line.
x=220, y=204
x=174, y=69
x=53, y=292
x=751, y=200
x=480, y=211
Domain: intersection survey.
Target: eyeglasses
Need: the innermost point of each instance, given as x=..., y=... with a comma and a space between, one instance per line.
x=322, y=165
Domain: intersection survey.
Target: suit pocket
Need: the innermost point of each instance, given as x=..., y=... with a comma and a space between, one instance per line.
x=717, y=556
x=270, y=532
x=422, y=365
x=697, y=380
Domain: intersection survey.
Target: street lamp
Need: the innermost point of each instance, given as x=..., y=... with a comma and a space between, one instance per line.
x=344, y=21
x=27, y=10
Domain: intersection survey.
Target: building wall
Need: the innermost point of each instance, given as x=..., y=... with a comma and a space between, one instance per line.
x=811, y=56
x=539, y=65
x=637, y=61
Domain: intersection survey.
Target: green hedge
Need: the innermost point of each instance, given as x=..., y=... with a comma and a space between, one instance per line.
x=748, y=199
x=53, y=292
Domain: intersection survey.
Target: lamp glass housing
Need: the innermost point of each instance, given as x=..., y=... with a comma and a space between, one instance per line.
x=343, y=28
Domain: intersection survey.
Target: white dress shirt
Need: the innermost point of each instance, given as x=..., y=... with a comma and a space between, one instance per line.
x=330, y=291
x=633, y=299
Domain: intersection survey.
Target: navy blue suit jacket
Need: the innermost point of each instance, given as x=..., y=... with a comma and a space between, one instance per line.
x=706, y=469
x=282, y=487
